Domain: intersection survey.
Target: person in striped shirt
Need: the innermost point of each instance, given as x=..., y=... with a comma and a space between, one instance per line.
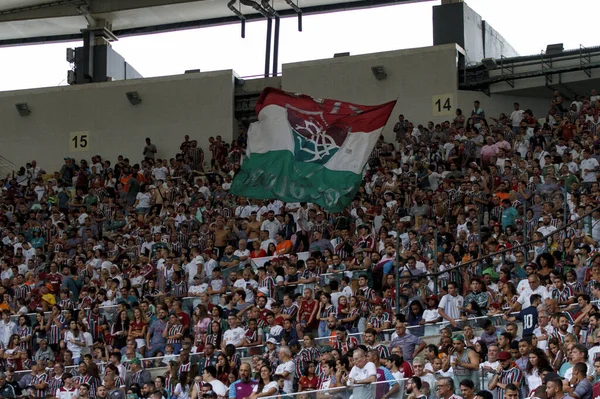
x=343, y=342
x=508, y=373
x=39, y=380
x=562, y=292
x=372, y=343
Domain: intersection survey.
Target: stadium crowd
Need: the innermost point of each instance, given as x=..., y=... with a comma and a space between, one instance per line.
x=150, y=280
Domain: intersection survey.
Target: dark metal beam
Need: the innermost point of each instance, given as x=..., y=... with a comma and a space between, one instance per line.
x=145, y=30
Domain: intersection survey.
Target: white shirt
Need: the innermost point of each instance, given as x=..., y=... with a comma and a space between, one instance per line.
x=160, y=173
x=589, y=163
x=220, y=388
x=234, y=336
x=76, y=349
x=546, y=230
x=450, y=305
x=209, y=267
x=6, y=330
x=273, y=227
x=192, y=268
x=247, y=286
x=62, y=393
x=363, y=391
x=527, y=293
x=288, y=382
x=516, y=117
x=239, y=253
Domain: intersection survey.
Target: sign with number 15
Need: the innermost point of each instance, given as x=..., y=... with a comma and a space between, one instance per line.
x=79, y=141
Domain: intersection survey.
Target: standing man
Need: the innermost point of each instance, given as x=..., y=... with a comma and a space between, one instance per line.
x=450, y=304
x=477, y=114
x=149, y=150
x=515, y=118
x=411, y=344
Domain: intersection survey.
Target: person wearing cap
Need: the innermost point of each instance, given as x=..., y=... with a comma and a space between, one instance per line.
x=508, y=373
x=139, y=375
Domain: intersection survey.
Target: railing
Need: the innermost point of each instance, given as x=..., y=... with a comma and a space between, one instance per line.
x=374, y=390
x=503, y=252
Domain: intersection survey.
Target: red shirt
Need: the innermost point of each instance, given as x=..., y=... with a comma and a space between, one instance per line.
x=306, y=310
x=308, y=384
x=185, y=320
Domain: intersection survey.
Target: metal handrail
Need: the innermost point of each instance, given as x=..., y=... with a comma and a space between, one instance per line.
x=516, y=247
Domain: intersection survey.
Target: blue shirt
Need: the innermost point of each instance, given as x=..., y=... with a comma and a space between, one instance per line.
x=508, y=217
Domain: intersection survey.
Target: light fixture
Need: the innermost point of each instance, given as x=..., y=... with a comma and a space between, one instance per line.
x=489, y=63
x=192, y=71
x=23, y=109
x=554, y=48
x=133, y=97
x=379, y=72
x=70, y=55
x=338, y=55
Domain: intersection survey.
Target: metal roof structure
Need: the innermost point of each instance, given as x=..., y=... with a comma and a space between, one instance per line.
x=40, y=21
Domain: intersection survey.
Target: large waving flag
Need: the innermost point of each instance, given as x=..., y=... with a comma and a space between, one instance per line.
x=309, y=149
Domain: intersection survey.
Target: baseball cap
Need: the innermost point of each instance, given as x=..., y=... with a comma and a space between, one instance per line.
x=458, y=337
x=502, y=356
x=272, y=341
x=135, y=361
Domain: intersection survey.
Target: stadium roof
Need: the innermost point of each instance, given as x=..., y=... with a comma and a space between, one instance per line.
x=38, y=21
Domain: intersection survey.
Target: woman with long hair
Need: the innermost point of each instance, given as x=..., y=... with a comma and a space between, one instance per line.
x=24, y=332
x=182, y=389
x=222, y=368
x=74, y=341
x=326, y=309
x=537, y=361
x=201, y=321
x=309, y=380
x=415, y=316
x=271, y=250
x=257, y=252
x=138, y=328
x=171, y=376
x=555, y=353
x=482, y=350
x=13, y=354
x=353, y=316
x=120, y=330
x=266, y=386
x=509, y=295
x=215, y=335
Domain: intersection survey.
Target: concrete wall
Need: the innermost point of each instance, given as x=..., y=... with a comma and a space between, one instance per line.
x=413, y=76
x=494, y=45
x=497, y=103
x=199, y=104
x=458, y=23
